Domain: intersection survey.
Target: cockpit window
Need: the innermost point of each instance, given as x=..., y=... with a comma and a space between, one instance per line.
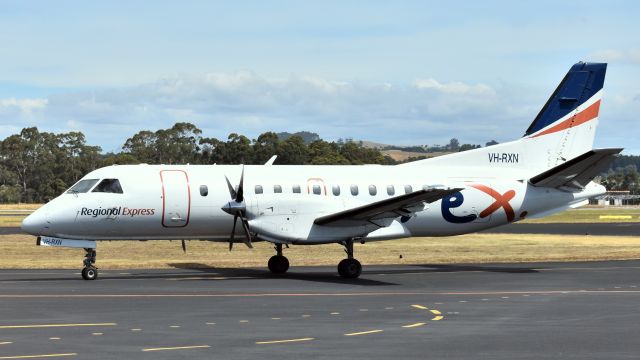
x=82, y=186
x=109, y=186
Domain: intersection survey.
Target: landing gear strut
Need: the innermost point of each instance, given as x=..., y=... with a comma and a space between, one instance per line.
x=349, y=268
x=89, y=272
x=278, y=264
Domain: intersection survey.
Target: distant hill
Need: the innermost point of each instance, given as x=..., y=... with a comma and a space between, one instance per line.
x=307, y=136
x=403, y=156
x=373, y=145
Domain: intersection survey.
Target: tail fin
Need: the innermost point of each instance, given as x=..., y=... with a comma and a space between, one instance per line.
x=564, y=129
x=582, y=82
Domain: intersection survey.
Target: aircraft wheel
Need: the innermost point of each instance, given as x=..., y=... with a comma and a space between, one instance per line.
x=349, y=268
x=278, y=264
x=89, y=273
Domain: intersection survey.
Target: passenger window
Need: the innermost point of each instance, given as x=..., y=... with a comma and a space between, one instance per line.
x=204, y=190
x=354, y=190
x=277, y=189
x=109, y=186
x=373, y=190
x=258, y=189
x=391, y=190
x=316, y=189
x=336, y=190
x=296, y=189
x=408, y=189
x=82, y=186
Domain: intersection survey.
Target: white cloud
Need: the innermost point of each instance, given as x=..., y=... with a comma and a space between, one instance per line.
x=21, y=106
x=455, y=87
x=613, y=55
x=426, y=111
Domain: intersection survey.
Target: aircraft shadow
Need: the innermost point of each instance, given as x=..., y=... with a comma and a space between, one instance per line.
x=248, y=273
x=200, y=272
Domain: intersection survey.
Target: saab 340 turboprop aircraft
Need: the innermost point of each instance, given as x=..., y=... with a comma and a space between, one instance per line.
x=549, y=169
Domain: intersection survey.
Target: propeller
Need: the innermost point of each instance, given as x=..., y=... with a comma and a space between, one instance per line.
x=238, y=209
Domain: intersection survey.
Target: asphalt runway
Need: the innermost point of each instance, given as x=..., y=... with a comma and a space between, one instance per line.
x=525, y=311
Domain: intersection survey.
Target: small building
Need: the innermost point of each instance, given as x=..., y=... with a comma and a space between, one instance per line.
x=615, y=198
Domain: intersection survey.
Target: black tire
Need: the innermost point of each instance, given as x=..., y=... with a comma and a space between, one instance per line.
x=89, y=273
x=349, y=268
x=278, y=264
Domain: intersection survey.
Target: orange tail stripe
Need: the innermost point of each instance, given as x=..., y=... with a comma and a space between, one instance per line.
x=582, y=117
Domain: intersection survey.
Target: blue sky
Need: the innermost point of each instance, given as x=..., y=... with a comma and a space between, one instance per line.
x=402, y=72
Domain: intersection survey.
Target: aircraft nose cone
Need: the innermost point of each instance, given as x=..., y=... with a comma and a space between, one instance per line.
x=34, y=223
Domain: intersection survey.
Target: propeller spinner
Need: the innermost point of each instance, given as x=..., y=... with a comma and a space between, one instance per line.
x=238, y=209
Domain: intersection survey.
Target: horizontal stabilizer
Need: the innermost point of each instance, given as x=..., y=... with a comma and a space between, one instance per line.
x=577, y=172
x=388, y=209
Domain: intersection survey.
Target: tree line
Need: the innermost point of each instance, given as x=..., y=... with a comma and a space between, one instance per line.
x=36, y=166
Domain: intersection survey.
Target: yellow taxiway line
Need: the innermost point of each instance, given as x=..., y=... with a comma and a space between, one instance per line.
x=363, y=333
x=52, y=325
x=283, y=341
x=435, y=312
x=414, y=325
x=177, y=348
x=6, y=342
x=420, y=307
x=438, y=318
x=37, y=356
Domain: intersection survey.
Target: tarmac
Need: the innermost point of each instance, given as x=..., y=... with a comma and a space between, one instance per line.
x=503, y=311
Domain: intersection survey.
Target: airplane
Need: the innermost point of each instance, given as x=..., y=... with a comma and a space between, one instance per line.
x=549, y=169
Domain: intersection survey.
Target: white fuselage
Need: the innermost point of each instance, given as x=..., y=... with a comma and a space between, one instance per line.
x=184, y=202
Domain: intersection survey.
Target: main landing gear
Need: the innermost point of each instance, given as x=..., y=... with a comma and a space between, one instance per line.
x=278, y=264
x=89, y=272
x=349, y=268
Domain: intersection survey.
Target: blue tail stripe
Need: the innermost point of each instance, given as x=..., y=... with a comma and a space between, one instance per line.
x=581, y=82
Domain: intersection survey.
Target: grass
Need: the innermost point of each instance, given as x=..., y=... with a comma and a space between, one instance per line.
x=19, y=206
x=590, y=215
x=11, y=221
x=20, y=251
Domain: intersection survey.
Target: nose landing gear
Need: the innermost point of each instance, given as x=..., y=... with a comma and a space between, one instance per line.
x=89, y=272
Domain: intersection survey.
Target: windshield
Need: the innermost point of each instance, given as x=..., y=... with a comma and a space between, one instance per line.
x=109, y=186
x=82, y=186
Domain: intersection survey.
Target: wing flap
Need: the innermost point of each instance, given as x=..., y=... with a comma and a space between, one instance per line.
x=577, y=172
x=378, y=213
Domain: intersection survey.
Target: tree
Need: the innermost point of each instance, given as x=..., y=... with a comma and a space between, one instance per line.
x=324, y=153
x=454, y=144
x=293, y=151
x=237, y=150
x=176, y=145
x=265, y=147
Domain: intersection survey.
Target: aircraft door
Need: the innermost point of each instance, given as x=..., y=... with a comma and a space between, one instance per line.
x=176, y=198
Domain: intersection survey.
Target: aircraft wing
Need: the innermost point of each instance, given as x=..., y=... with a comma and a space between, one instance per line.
x=379, y=213
x=577, y=172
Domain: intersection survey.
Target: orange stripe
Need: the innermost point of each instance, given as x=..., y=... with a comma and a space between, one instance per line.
x=582, y=117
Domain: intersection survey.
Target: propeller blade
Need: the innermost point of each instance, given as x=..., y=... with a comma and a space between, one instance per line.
x=232, y=191
x=233, y=232
x=184, y=247
x=240, y=192
x=245, y=225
